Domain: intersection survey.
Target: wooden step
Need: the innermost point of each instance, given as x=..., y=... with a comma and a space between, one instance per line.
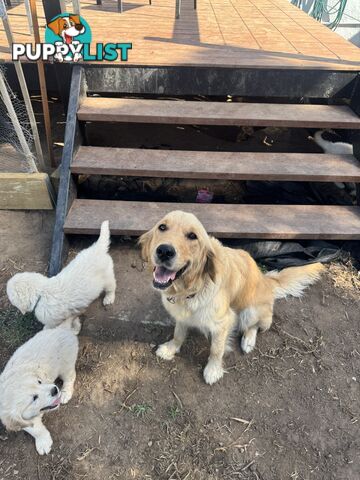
x=216, y=113
x=315, y=167
x=224, y=221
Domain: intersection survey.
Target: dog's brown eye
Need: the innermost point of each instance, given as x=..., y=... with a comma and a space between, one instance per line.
x=35, y=397
x=191, y=236
x=162, y=227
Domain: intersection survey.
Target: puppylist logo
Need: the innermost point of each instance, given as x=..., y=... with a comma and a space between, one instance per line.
x=67, y=39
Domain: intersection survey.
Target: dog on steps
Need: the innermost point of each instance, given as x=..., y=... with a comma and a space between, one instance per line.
x=29, y=383
x=216, y=289
x=335, y=148
x=68, y=294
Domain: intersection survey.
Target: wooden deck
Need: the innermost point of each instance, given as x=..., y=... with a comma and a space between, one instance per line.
x=226, y=33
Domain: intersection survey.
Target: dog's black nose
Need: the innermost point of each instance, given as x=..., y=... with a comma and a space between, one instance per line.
x=54, y=391
x=165, y=252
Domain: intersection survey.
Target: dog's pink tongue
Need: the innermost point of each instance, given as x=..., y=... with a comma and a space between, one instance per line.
x=68, y=39
x=56, y=402
x=163, y=275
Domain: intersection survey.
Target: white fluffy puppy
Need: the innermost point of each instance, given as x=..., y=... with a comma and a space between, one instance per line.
x=332, y=147
x=69, y=293
x=27, y=384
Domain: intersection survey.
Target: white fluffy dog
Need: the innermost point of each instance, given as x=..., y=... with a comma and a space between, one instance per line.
x=69, y=293
x=332, y=147
x=28, y=384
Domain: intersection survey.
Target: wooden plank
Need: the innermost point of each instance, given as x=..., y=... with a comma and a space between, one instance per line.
x=315, y=167
x=72, y=141
x=25, y=191
x=216, y=113
x=224, y=221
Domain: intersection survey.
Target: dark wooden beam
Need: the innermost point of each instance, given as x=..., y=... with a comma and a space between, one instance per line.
x=250, y=82
x=52, y=8
x=66, y=186
x=355, y=105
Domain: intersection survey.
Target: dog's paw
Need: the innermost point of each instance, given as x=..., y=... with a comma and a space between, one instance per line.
x=167, y=350
x=66, y=396
x=43, y=444
x=59, y=57
x=213, y=372
x=109, y=299
x=248, y=343
x=76, y=325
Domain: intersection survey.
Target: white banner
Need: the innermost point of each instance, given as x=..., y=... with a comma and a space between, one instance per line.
x=2, y=9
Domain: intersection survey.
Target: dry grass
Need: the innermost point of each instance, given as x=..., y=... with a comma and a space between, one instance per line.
x=346, y=279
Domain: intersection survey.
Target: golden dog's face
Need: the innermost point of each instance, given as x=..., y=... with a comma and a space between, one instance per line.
x=178, y=247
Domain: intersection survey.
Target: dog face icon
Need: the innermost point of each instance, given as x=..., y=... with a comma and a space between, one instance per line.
x=67, y=27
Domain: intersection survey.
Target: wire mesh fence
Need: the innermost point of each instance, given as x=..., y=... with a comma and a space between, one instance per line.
x=16, y=137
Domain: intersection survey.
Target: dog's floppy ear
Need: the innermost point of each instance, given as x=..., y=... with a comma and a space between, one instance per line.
x=210, y=267
x=56, y=25
x=14, y=422
x=144, y=242
x=75, y=19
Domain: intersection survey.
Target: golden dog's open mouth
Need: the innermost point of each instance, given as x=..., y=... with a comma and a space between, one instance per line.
x=164, y=277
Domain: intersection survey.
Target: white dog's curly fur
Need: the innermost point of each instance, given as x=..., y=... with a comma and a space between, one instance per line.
x=27, y=384
x=69, y=293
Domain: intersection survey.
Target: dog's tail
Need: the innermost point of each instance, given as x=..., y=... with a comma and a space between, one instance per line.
x=104, y=237
x=293, y=280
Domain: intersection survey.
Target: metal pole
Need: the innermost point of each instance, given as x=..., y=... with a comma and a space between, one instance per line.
x=177, y=8
x=52, y=8
x=76, y=6
x=63, y=6
x=28, y=14
x=15, y=121
x=42, y=81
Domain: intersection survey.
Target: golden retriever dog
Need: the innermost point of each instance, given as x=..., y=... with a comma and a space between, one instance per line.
x=216, y=289
x=37, y=379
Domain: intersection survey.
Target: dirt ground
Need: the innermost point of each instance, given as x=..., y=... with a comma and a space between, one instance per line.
x=288, y=410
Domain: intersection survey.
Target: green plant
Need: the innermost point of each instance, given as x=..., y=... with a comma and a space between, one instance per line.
x=140, y=409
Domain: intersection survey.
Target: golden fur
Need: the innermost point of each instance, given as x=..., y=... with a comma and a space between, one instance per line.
x=221, y=289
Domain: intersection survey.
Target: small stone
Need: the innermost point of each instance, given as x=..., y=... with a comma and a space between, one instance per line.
x=150, y=443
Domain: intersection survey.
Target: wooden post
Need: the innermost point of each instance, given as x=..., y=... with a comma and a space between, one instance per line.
x=42, y=81
x=26, y=96
x=355, y=105
x=15, y=121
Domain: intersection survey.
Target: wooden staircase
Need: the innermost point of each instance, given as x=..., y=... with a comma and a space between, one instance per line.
x=241, y=221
